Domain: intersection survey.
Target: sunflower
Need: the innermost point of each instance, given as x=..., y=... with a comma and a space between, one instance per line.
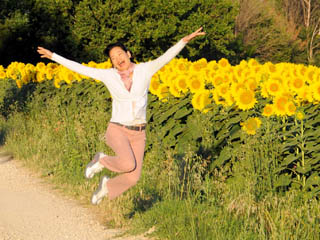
x=181, y=83
x=302, y=69
x=290, y=108
x=68, y=76
x=223, y=63
x=217, y=80
x=300, y=115
x=155, y=84
x=311, y=74
x=174, y=90
x=213, y=65
x=25, y=78
x=41, y=76
x=270, y=67
x=11, y=71
x=245, y=99
x=268, y=110
x=273, y=87
x=49, y=73
x=2, y=72
x=208, y=73
x=163, y=92
x=217, y=98
x=226, y=78
x=264, y=91
x=78, y=78
x=251, y=125
x=253, y=63
x=195, y=83
x=199, y=65
x=92, y=64
x=252, y=83
x=56, y=82
x=238, y=71
x=167, y=77
x=201, y=99
x=306, y=94
x=171, y=78
x=223, y=90
x=316, y=90
x=297, y=84
x=229, y=99
x=280, y=103
x=235, y=88
x=162, y=70
x=106, y=64
x=182, y=65
x=40, y=66
x=19, y=83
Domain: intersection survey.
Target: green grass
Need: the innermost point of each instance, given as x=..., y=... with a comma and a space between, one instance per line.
x=57, y=131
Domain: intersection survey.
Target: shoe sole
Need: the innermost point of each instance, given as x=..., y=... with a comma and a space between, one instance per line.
x=102, y=182
x=90, y=164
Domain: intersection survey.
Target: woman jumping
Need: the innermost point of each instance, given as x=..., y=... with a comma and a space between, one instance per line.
x=128, y=84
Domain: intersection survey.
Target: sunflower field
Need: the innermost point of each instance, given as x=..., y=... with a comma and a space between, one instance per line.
x=250, y=121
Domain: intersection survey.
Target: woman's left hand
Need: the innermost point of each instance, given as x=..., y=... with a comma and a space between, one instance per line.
x=197, y=33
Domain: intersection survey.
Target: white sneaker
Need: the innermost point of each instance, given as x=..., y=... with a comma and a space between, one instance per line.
x=94, y=166
x=101, y=192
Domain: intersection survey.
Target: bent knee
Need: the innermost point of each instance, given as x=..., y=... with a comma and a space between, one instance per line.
x=130, y=167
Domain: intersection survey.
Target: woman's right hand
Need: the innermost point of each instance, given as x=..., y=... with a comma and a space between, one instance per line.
x=44, y=53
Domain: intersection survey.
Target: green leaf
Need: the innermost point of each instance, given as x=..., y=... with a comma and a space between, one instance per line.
x=177, y=129
x=234, y=120
x=303, y=170
x=165, y=115
x=225, y=155
x=283, y=181
x=235, y=132
x=182, y=112
x=314, y=179
x=312, y=147
x=289, y=159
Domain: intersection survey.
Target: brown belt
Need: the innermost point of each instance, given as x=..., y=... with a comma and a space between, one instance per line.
x=135, y=127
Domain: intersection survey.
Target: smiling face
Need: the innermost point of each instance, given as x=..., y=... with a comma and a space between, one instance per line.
x=120, y=58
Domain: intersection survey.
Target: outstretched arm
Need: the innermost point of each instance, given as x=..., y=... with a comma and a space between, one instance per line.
x=158, y=63
x=193, y=35
x=72, y=65
x=44, y=53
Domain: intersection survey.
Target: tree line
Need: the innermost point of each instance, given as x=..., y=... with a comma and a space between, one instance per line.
x=269, y=30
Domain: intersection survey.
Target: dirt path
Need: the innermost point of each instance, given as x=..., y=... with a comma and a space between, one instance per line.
x=30, y=211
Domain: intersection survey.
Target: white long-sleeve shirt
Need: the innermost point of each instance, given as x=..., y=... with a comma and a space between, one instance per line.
x=128, y=108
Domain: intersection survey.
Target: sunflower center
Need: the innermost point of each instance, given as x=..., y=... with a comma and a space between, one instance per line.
x=297, y=83
x=274, y=87
x=182, y=84
x=267, y=110
x=292, y=108
x=196, y=84
x=246, y=97
x=252, y=125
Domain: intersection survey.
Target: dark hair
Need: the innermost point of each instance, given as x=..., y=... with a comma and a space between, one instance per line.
x=113, y=45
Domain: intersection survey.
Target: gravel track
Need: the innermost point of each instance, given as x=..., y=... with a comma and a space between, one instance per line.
x=29, y=210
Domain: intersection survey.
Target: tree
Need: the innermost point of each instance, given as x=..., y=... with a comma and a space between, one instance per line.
x=305, y=14
x=25, y=24
x=266, y=32
x=148, y=28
